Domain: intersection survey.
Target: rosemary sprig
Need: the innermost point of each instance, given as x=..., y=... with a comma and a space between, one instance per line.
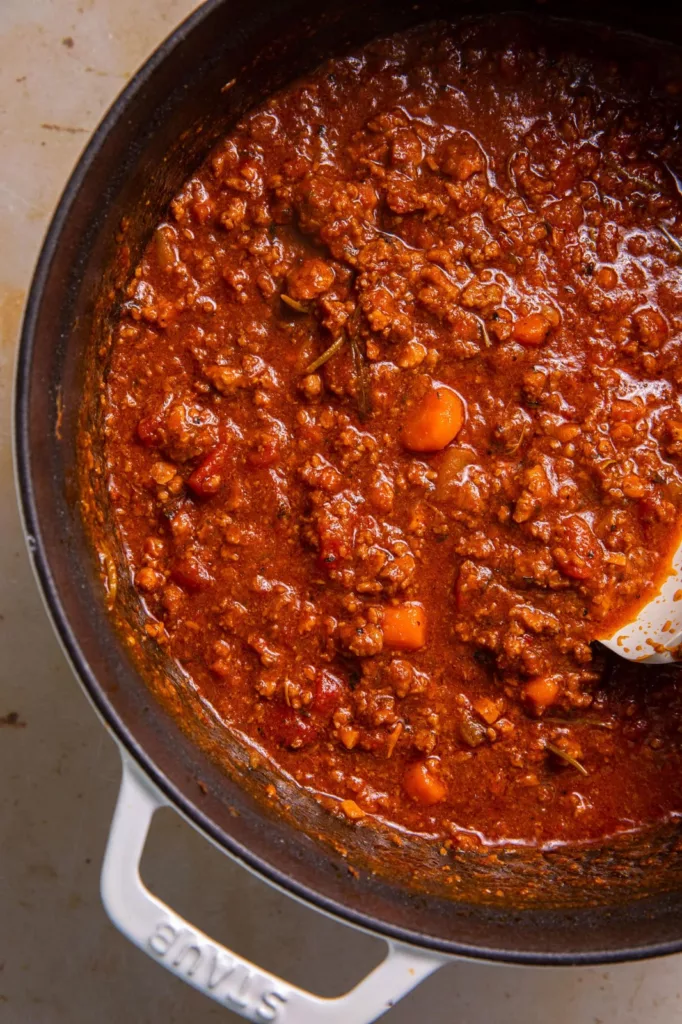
x=515, y=447
x=360, y=369
x=674, y=241
x=594, y=723
x=293, y=303
x=335, y=347
x=634, y=178
x=484, y=333
x=509, y=168
x=568, y=758
x=359, y=361
x=676, y=180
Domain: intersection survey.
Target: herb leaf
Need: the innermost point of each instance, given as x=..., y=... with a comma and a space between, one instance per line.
x=335, y=346
x=568, y=758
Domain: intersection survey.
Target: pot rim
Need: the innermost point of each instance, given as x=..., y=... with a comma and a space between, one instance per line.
x=107, y=713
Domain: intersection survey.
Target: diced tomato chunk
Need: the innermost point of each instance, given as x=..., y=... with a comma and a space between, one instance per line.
x=336, y=538
x=191, y=574
x=209, y=476
x=149, y=430
x=266, y=454
x=287, y=727
x=578, y=553
x=330, y=692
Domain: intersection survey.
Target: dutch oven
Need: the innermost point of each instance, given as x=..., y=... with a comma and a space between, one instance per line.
x=620, y=901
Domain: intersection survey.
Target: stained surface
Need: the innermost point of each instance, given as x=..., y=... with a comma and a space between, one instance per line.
x=60, y=959
x=393, y=430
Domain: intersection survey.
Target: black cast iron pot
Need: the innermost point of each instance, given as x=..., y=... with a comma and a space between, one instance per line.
x=619, y=902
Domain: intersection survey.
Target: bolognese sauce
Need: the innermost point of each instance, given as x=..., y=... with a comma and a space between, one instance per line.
x=393, y=430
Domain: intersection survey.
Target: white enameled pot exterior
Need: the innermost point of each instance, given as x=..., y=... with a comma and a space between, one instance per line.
x=219, y=973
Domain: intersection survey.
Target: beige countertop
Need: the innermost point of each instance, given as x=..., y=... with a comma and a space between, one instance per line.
x=62, y=62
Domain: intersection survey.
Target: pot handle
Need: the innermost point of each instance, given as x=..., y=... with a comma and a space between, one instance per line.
x=210, y=967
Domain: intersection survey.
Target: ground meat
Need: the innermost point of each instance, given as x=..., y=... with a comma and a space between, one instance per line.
x=393, y=429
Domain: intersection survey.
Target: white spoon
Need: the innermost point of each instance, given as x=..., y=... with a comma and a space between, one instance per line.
x=657, y=631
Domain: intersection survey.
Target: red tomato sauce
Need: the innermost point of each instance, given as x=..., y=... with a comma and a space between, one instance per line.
x=393, y=430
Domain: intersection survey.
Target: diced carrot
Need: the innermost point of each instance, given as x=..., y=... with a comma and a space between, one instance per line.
x=622, y=432
x=404, y=626
x=622, y=410
x=541, y=692
x=531, y=330
x=454, y=461
x=148, y=579
x=567, y=432
x=634, y=486
x=606, y=278
x=352, y=810
x=487, y=709
x=423, y=786
x=349, y=736
x=434, y=421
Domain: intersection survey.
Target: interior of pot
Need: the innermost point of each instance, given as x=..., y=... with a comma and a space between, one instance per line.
x=601, y=903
